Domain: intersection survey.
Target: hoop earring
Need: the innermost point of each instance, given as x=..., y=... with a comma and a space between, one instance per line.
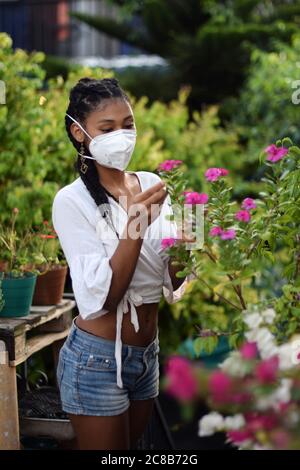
x=84, y=167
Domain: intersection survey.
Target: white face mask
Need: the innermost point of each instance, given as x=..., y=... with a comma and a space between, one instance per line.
x=113, y=149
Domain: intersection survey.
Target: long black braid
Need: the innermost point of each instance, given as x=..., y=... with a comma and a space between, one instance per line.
x=85, y=97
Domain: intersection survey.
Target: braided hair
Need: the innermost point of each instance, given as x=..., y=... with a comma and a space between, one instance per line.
x=85, y=97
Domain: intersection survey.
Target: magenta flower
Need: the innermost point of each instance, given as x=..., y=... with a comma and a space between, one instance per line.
x=249, y=351
x=168, y=165
x=257, y=422
x=243, y=216
x=248, y=204
x=195, y=198
x=281, y=439
x=228, y=234
x=213, y=174
x=168, y=242
x=182, y=382
x=266, y=371
x=238, y=436
x=274, y=153
x=220, y=386
x=215, y=231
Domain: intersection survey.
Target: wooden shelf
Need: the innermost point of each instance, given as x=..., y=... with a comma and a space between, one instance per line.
x=39, y=342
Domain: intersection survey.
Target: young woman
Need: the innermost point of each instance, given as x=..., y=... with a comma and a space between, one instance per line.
x=117, y=266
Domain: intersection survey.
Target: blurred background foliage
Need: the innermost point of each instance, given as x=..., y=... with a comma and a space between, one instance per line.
x=226, y=93
x=207, y=44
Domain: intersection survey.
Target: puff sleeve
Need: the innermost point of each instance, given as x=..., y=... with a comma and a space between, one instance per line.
x=90, y=268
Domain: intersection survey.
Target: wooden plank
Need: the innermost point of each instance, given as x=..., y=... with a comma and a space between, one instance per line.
x=57, y=324
x=37, y=317
x=37, y=343
x=9, y=421
x=15, y=335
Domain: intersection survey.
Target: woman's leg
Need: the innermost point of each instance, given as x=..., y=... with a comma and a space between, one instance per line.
x=139, y=415
x=102, y=432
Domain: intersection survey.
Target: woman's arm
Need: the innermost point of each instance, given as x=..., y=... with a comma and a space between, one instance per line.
x=123, y=264
x=124, y=260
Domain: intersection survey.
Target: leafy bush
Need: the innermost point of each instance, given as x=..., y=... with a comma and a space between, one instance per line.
x=264, y=110
x=37, y=157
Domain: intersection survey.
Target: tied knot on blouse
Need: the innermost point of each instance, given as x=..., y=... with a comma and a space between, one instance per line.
x=132, y=299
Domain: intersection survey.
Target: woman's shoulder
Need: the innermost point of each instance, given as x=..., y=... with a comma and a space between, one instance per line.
x=75, y=191
x=72, y=196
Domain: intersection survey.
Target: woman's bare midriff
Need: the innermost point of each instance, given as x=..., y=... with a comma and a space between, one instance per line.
x=105, y=326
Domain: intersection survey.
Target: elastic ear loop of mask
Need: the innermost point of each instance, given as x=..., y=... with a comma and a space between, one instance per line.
x=76, y=122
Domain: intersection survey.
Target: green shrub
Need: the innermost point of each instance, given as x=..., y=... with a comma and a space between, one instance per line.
x=37, y=157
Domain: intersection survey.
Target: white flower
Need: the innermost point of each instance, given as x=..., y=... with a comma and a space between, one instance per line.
x=289, y=354
x=295, y=345
x=234, y=365
x=210, y=423
x=269, y=315
x=285, y=354
x=265, y=341
x=281, y=395
x=234, y=422
x=253, y=320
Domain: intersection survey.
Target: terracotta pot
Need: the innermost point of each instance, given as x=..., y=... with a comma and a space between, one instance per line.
x=3, y=266
x=49, y=287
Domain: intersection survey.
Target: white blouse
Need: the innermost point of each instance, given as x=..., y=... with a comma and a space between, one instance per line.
x=88, y=244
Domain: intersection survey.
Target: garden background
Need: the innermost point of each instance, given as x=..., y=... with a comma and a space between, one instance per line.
x=227, y=88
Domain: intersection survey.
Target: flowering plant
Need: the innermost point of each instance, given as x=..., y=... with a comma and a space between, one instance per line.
x=16, y=250
x=255, y=394
x=46, y=246
x=245, y=242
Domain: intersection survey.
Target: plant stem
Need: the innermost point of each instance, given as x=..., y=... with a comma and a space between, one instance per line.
x=219, y=295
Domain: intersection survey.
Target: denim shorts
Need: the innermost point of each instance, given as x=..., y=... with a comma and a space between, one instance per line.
x=87, y=374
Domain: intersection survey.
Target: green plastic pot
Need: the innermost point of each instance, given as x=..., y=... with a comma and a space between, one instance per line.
x=17, y=295
x=210, y=361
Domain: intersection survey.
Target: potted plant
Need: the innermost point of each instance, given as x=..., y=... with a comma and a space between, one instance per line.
x=17, y=276
x=51, y=266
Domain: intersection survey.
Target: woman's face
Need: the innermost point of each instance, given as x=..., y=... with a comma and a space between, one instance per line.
x=112, y=115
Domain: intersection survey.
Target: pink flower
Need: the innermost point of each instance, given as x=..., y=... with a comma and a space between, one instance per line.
x=275, y=153
x=243, y=216
x=15, y=210
x=228, y=234
x=168, y=165
x=195, y=198
x=240, y=398
x=249, y=351
x=281, y=439
x=237, y=436
x=266, y=371
x=257, y=422
x=215, y=231
x=220, y=386
x=248, y=204
x=182, y=382
x=213, y=174
x=168, y=242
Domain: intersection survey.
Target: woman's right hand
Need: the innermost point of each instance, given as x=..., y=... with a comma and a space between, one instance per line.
x=146, y=206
